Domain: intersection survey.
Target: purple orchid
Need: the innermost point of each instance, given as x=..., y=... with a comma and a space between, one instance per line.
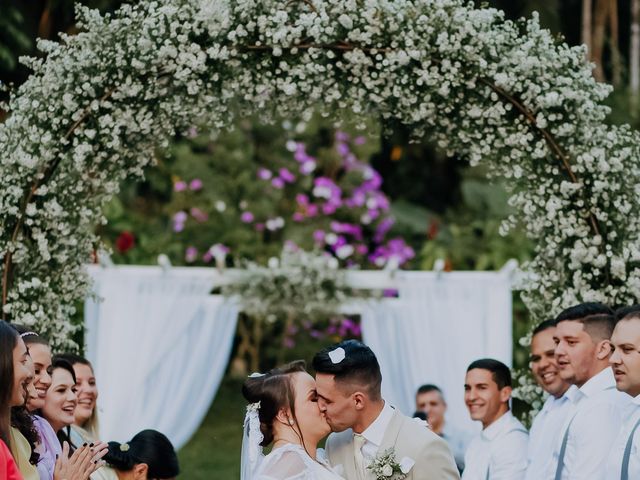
x=247, y=217
x=195, y=184
x=287, y=176
x=264, y=174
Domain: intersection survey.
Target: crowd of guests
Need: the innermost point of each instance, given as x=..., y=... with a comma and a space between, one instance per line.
x=587, y=360
x=49, y=428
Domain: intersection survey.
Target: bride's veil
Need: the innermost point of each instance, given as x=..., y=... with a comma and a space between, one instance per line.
x=251, y=455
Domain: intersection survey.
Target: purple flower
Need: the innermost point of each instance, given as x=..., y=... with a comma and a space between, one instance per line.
x=207, y=257
x=288, y=342
x=191, y=254
x=287, y=176
x=362, y=249
x=307, y=167
x=358, y=198
x=382, y=229
x=247, y=217
x=347, y=228
x=315, y=334
x=195, y=184
x=396, y=252
x=192, y=132
x=342, y=148
x=199, y=215
x=297, y=217
x=180, y=186
x=277, y=183
x=301, y=154
x=318, y=236
x=264, y=174
x=259, y=227
x=360, y=140
x=372, y=179
x=342, y=136
x=179, y=219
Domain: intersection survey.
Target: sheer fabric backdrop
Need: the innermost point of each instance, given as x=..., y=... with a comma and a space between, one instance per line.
x=437, y=326
x=160, y=344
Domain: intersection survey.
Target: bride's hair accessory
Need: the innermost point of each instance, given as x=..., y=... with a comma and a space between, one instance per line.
x=29, y=334
x=257, y=375
x=337, y=355
x=124, y=447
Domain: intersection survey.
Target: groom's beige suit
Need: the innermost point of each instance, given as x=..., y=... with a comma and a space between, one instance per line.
x=408, y=438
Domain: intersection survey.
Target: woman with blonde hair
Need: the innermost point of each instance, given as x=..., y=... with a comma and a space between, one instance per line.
x=85, y=428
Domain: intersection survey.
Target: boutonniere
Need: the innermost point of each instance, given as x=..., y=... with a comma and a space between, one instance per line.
x=386, y=467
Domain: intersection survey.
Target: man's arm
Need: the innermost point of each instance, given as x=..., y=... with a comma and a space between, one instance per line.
x=435, y=462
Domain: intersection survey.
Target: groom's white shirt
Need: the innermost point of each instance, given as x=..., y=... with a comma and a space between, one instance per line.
x=375, y=433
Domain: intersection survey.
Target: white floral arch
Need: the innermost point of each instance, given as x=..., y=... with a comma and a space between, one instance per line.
x=502, y=93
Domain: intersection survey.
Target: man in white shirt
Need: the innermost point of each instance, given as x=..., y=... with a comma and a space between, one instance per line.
x=545, y=430
x=583, y=348
x=499, y=452
x=365, y=426
x=624, y=459
x=430, y=400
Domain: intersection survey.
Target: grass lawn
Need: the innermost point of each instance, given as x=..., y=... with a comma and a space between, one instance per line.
x=213, y=453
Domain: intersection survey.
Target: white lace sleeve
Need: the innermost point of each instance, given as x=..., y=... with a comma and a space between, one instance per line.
x=285, y=464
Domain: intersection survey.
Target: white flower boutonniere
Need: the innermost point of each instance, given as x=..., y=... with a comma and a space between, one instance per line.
x=386, y=467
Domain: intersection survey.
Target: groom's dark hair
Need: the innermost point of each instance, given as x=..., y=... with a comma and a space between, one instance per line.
x=359, y=367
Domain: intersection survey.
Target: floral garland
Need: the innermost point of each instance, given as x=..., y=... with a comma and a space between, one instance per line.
x=504, y=93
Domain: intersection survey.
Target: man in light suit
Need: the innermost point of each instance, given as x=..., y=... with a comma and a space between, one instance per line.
x=348, y=382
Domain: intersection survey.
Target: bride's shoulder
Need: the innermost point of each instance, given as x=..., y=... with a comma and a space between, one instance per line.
x=286, y=462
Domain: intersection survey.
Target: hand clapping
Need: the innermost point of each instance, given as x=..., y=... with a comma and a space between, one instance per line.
x=82, y=463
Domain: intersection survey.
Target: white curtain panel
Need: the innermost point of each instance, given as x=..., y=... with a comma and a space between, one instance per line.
x=160, y=344
x=437, y=326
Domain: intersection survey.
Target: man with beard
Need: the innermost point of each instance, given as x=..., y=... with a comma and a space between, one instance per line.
x=545, y=429
x=583, y=348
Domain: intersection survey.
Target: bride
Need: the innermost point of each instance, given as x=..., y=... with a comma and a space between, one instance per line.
x=283, y=412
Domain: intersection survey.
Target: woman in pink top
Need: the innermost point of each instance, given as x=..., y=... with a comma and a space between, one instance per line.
x=8, y=468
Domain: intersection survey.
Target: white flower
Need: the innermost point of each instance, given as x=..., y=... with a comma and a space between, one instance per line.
x=345, y=21
x=387, y=470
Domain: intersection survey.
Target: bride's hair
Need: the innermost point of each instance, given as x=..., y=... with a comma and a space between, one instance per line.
x=274, y=391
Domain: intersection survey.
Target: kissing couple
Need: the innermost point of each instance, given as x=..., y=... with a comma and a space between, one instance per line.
x=292, y=412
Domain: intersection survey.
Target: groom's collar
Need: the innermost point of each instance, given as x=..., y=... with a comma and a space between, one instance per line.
x=375, y=432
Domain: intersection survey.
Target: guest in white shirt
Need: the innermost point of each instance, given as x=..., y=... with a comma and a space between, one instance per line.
x=430, y=400
x=583, y=348
x=624, y=458
x=499, y=452
x=546, y=426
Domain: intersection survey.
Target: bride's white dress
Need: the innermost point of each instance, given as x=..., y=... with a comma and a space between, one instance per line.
x=291, y=462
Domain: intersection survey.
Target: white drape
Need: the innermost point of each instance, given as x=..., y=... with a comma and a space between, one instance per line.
x=439, y=323
x=159, y=343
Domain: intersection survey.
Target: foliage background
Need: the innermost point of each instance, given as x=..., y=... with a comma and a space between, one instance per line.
x=444, y=208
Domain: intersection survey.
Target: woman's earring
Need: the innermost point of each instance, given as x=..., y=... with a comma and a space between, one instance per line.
x=290, y=422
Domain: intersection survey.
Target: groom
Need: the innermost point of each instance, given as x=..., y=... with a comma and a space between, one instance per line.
x=348, y=383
